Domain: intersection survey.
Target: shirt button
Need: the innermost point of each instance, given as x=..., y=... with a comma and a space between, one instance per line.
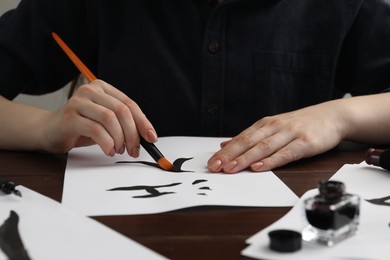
x=213, y=47
x=212, y=109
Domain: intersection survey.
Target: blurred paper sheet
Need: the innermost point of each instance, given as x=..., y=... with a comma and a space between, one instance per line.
x=49, y=230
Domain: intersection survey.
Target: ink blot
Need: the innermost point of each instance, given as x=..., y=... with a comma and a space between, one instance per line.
x=177, y=163
x=10, y=242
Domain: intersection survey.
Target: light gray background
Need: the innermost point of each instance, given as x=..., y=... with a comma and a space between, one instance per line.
x=50, y=101
x=7, y=4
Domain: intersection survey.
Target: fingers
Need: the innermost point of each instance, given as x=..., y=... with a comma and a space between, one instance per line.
x=248, y=150
x=104, y=117
x=290, y=153
x=119, y=118
x=144, y=127
x=85, y=127
x=237, y=147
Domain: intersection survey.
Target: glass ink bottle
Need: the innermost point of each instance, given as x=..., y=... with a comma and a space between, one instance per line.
x=333, y=215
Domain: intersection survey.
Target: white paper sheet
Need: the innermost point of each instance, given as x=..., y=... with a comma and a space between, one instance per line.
x=89, y=174
x=373, y=236
x=51, y=231
x=368, y=181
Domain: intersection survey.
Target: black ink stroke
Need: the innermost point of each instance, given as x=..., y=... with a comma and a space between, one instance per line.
x=10, y=242
x=152, y=190
x=198, y=181
x=201, y=188
x=380, y=201
x=177, y=163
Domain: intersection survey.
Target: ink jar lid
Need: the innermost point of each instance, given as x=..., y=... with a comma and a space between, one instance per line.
x=332, y=191
x=284, y=240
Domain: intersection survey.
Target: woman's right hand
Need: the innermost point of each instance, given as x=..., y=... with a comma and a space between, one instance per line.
x=99, y=114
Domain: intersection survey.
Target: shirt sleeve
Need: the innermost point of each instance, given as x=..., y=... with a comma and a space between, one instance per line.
x=30, y=60
x=364, y=65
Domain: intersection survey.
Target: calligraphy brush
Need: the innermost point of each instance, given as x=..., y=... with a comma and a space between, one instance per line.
x=149, y=147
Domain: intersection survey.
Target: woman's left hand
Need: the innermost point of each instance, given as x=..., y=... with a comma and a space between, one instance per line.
x=277, y=140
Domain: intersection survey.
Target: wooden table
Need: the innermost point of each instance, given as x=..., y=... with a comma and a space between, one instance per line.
x=193, y=233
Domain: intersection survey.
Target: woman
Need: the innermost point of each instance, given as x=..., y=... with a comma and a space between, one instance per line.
x=277, y=69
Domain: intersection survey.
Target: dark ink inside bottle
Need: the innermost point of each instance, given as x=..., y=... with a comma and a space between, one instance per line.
x=333, y=214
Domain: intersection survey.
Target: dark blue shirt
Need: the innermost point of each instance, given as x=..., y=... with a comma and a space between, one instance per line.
x=198, y=68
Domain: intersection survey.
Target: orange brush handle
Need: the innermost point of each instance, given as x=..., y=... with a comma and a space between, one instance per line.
x=73, y=57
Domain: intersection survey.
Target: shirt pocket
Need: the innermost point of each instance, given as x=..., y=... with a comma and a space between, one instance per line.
x=288, y=81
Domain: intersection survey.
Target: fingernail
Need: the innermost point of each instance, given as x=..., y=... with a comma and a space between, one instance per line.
x=223, y=144
x=152, y=136
x=135, y=151
x=112, y=153
x=230, y=166
x=122, y=149
x=257, y=166
x=216, y=165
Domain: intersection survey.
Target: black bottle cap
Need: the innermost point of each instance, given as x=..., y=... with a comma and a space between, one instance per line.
x=283, y=240
x=378, y=157
x=331, y=191
x=373, y=156
x=384, y=161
